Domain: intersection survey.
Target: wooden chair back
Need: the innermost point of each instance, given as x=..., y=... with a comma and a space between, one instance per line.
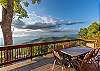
x=88, y=56
x=96, y=52
x=56, y=54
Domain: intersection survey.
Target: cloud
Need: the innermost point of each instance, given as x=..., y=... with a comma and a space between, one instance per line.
x=34, y=18
x=36, y=21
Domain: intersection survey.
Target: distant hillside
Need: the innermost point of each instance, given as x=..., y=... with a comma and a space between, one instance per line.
x=53, y=39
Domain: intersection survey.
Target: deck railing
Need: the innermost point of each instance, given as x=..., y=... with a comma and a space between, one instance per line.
x=14, y=53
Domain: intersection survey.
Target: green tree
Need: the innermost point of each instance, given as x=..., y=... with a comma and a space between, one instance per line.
x=91, y=32
x=11, y=7
x=83, y=33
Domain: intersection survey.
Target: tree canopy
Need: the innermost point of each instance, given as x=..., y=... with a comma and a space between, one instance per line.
x=11, y=8
x=17, y=8
x=91, y=32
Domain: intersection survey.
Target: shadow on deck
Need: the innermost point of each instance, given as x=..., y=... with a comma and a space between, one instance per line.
x=41, y=64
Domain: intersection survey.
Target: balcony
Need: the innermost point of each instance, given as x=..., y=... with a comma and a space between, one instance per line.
x=37, y=56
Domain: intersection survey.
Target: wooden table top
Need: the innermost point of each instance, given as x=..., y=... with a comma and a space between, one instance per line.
x=75, y=51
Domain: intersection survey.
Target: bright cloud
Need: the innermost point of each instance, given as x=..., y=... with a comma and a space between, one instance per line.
x=34, y=18
x=0, y=13
x=36, y=21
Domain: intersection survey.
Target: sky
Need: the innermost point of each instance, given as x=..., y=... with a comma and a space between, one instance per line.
x=80, y=10
x=52, y=11
x=68, y=9
x=86, y=11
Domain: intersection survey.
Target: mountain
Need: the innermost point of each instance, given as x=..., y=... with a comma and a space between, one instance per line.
x=47, y=39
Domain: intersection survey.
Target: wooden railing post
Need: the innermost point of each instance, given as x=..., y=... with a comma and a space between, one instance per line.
x=7, y=55
x=31, y=53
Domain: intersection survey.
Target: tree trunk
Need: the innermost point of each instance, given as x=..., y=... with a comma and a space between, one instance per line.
x=6, y=27
x=6, y=23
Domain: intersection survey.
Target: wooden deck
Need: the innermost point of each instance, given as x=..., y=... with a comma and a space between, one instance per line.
x=41, y=64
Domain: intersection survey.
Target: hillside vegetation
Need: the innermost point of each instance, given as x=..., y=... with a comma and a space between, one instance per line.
x=92, y=32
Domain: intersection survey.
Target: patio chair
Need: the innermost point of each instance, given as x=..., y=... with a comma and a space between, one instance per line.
x=96, y=52
x=88, y=58
x=58, y=59
x=97, y=57
x=80, y=62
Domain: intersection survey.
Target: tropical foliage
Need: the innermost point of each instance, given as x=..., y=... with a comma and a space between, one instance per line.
x=91, y=32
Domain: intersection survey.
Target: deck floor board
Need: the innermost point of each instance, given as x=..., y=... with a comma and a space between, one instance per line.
x=41, y=64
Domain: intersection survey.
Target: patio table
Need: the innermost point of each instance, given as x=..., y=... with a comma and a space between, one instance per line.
x=75, y=51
